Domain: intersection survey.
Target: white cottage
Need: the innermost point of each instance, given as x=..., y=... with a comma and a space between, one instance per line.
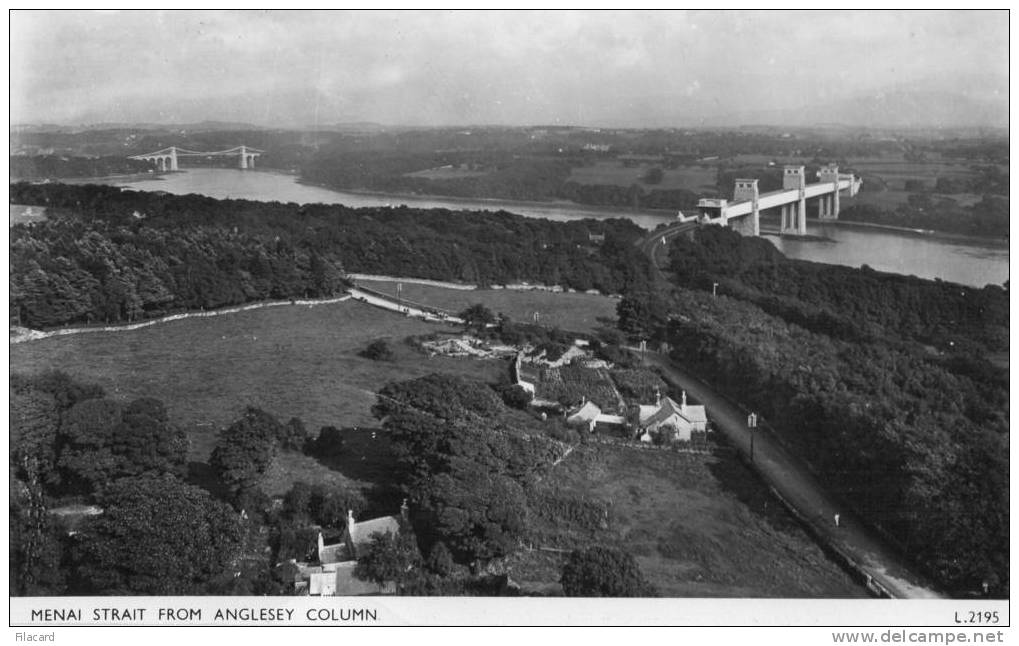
x=669, y=421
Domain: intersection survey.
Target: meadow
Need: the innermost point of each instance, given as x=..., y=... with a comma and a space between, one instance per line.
x=699, y=526
x=569, y=311
x=294, y=361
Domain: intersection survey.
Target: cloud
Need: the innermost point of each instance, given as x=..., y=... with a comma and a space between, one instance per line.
x=442, y=67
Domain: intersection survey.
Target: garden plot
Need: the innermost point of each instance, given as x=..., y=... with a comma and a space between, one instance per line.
x=573, y=383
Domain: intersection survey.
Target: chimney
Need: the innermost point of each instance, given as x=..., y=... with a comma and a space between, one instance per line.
x=405, y=511
x=684, y=400
x=658, y=396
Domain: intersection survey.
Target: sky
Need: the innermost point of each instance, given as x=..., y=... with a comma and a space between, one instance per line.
x=627, y=69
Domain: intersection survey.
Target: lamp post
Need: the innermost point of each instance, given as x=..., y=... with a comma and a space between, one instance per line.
x=714, y=290
x=751, y=427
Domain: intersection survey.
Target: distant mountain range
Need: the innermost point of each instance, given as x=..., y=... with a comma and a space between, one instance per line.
x=971, y=102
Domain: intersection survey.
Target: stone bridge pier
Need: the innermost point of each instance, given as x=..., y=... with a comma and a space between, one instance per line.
x=747, y=190
x=794, y=215
x=828, y=208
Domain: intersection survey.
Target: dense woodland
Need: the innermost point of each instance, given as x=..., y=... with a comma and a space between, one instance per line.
x=879, y=381
x=60, y=167
x=988, y=218
x=110, y=255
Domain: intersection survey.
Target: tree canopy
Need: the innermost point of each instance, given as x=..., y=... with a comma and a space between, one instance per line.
x=603, y=572
x=156, y=536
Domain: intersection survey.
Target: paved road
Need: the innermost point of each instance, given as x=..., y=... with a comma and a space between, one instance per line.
x=794, y=482
x=792, y=479
x=652, y=245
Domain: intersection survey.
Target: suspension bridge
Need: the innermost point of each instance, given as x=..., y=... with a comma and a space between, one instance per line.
x=167, y=158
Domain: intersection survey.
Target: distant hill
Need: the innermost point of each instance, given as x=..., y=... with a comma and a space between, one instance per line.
x=979, y=101
x=202, y=126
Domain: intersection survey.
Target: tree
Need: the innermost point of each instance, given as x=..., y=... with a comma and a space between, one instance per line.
x=477, y=513
x=378, y=350
x=641, y=315
x=293, y=436
x=156, y=536
x=86, y=459
x=246, y=449
x=477, y=317
x=654, y=175
x=389, y=559
x=35, y=546
x=603, y=572
x=440, y=559
x=516, y=396
x=35, y=419
x=100, y=441
x=146, y=441
x=328, y=444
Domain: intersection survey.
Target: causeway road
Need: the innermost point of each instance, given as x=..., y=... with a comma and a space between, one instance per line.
x=888, y=570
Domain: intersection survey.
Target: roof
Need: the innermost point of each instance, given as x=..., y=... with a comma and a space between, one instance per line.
x=361, y=533
x=586, y=413
x=334, y=553
x=667, y=408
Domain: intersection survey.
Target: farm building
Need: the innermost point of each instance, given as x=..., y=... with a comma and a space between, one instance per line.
x=584, y=416
x=667, y=421
x=334, y=575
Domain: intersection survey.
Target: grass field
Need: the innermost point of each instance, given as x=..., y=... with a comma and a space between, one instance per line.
x=574, y=312
x=291, y=361
x=614, y=173
x=699, y=525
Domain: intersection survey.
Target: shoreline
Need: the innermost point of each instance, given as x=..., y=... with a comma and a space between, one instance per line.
x=920, y=233
x=131, y=177
x=561, y=204
x=580, y=209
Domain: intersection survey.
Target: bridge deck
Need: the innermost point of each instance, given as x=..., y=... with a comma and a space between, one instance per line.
x=771, y=199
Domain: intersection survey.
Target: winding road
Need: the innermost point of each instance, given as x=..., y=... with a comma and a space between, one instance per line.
x=888, y=571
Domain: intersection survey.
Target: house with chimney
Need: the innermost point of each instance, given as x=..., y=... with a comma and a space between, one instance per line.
x=666, y=421
x=334, y=573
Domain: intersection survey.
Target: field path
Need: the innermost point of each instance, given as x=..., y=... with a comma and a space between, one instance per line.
x=888, y=571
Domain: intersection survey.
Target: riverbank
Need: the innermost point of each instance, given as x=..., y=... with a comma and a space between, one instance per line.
x=904, y=252
x=106, y=179
x=926, y=233
x=496, y=201
x=795, y=236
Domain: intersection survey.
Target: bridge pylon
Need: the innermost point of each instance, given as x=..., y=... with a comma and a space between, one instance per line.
x=747, y=190
x=794, y=215
x=829, y=205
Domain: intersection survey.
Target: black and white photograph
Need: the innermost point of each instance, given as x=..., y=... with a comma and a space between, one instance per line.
x=519, y=317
